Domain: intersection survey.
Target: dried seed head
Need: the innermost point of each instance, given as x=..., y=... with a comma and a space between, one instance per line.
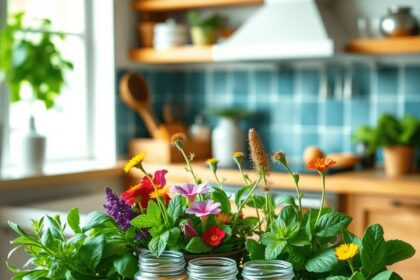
x=258, y=155
x=279, y=157
x=178, y=139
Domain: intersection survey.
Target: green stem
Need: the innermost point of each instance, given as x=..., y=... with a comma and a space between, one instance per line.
x=322, y=197
x=188, y=162
x=159, y=202
x=298, y=192
x=351, y=266
x=246, y=199
x=217, y=180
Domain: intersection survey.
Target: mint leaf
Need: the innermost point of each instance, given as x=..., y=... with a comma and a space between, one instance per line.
x=175, y=208
x=274, y=245
x=153, y=211
x=197, y=246
x=373, y=251
x=144, y=221
x=357, y=276
x=323, y=261
x=255, y=250
x=126, y=265
x=288, y=215
x=174, y=234
x=97, y=218
x=73, y=219
x=331, y=224
x=158, y=244
x=397, y=250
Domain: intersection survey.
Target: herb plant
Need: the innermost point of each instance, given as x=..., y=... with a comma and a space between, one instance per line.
x=32, y=57
x=98, y=250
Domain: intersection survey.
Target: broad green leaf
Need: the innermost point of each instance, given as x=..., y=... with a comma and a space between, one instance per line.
x=218, y=195
x=351, y=238
x=175, y=208
x=397, y=250
x=17, y=228
x=158, y=244
x=174, y=234
x=25, y=241
x=97, y=219
x=357, y=276
x=323, y=261
x=297, y=256
x=285, y=200
x=55, y=229
x=331, y=224
x=153, y=212
x=337, y=278
x=288, y=215
x=197, y=246
x=274, y=245
x=90, y=253
x=73, y=219
x=374, y=251
x=240, y=194
x=256, y=201
x=384, y=275
x=255, y=250
x=126, y=265
x=144, y=221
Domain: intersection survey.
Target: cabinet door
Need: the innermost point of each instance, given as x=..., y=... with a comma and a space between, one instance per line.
x=400, y=218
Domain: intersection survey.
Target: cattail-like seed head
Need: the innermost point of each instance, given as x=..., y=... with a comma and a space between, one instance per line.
x=258, y=155
x=178, y=139
x=279, y=157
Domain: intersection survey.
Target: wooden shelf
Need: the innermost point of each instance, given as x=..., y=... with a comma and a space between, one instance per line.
x=187, y=54
x=174, y=5
x=405, y=45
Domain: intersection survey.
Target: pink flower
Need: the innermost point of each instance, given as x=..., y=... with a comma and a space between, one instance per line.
x=204, y=208
x=190, y=191
x=188, y=229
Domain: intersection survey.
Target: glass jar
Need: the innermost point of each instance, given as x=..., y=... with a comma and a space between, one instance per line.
x=214, y=268
x=169, y=266
x=267, y=270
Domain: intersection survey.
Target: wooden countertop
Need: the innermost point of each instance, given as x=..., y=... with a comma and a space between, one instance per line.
x=371, y=182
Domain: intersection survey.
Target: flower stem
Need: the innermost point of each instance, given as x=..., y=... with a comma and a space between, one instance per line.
x=188, y=162
x=322, y=197
x=351, y=266
x=298, y=192
x=246, y=199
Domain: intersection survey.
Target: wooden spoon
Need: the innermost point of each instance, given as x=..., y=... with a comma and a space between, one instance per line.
x=135, y=93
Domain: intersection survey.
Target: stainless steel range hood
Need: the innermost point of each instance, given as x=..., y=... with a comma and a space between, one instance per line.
x=283, y=29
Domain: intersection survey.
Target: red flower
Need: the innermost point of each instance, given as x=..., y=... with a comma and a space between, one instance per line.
x=320, y=164
x=214, y=236
x=141, y=192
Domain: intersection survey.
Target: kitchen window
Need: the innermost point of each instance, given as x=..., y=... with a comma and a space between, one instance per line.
x=73, y=127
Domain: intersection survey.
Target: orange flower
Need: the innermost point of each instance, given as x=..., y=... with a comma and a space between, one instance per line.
x=223, y=218
x=320, y=164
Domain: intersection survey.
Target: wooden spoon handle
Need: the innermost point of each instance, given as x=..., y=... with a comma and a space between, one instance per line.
x=150, y=121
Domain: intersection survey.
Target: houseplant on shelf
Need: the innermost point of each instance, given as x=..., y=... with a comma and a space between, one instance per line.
x=198, y=220
x=31, y=59
x=399, y=138
x=364, y=137
x=204, y=31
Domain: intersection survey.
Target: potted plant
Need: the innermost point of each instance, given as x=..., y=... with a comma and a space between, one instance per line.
x=204, y=31
x=33, y=59
x=399, y=138
x=364, y=136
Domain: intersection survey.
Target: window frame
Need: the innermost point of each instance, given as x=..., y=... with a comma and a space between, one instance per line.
x=100, y=83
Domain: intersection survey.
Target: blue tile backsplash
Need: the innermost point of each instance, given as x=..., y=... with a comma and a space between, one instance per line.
x=291, y=110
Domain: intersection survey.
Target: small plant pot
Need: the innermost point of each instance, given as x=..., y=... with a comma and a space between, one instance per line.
x=236, y=255
x=202, y=36
x=398, y=160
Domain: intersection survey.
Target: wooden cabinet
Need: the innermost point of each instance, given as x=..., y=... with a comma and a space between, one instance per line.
x=400, y=218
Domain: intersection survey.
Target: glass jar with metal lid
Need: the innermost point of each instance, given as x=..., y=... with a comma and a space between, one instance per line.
x=169, y=266
x=267, y=270
x=214, y=268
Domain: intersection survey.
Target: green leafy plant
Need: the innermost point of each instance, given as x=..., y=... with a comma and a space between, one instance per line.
x=98, y=250
x=32, y=57
x=391, y=131
x=366, y=135
x=212, y=21
x=234, y=113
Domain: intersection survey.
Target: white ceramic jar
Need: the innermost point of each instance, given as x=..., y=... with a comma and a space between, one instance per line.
x=227, y=137
x=169, y=34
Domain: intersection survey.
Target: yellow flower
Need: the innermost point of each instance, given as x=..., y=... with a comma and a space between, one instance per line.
x=162, y=192
x=212, y=161
x=346, y=251
x=134, y=161
x=237, y=154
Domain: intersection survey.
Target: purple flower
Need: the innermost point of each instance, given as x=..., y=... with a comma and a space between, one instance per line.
x=118, y=209
x=190, y=190
x=142, y=235
x=188, y=229
x=204, y=208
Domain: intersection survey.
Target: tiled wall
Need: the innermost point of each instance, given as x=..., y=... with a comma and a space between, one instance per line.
x=292, y=111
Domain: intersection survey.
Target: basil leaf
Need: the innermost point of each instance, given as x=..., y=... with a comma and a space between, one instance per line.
x=331, y=224
x=373, y=251
x=197, y=246
x=397, y=250
x=323, y=261
x=73, y=219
